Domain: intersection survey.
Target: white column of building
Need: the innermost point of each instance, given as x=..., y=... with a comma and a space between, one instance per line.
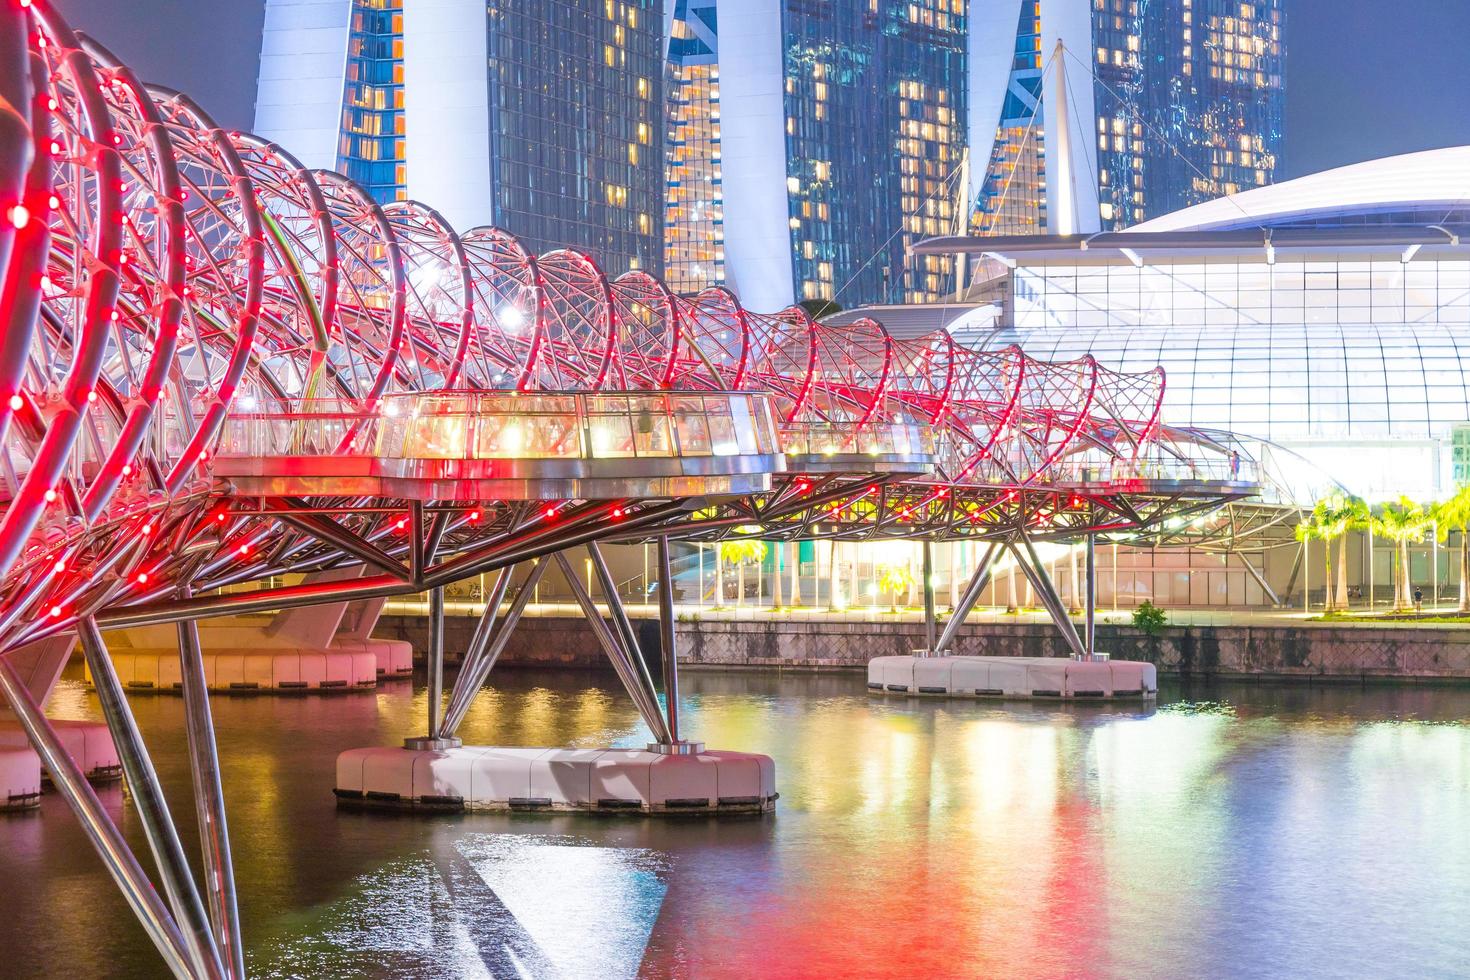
x=992, y=51
x=446, y=106
x=1071, y=180
x=303, y=58
x=758, y=258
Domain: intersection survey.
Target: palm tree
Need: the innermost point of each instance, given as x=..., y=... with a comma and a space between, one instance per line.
x=1336, y=515
x=1402, y=521
x=1307, y=530
x=1455, y=513
x=740, y=552
x=895, y=578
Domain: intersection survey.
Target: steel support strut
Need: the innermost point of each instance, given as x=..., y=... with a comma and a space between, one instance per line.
x=1256, y=574
x=1090, y=632
x=627, y=672
x=209, y=803
x=153, y=813
x=471, y=679
x=436, y=659
x=971, y=595
x=479, y=640
x=531, y=545
x=435, y=666
x=666, y=636
x=930, y=627
x=622, y=628
x=1036, y=573
x=157, y=921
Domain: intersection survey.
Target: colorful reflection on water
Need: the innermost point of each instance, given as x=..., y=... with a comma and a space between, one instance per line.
x=1236, y=830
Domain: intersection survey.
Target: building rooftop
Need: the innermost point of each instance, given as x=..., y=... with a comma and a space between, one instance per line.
x=906, y=321
x=1434, y=185
x=1396, y=203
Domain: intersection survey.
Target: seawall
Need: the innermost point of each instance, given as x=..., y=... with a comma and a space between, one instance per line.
x=1308, y=651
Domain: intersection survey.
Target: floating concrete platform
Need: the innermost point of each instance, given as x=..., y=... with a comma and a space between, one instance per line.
x=20, y=779
x=89, y=743
x=393, y=657
x=244, y=671
x=1013, y=677
x=315, y=648
x=578, y=780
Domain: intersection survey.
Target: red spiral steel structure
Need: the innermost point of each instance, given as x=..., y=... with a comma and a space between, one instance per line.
x=162, y=276
x=218, y=367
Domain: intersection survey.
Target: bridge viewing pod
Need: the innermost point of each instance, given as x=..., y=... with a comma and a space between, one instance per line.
x=220, y=369
x=466, y=446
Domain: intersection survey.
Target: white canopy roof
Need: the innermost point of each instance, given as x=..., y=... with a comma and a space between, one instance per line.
x=1411, y=181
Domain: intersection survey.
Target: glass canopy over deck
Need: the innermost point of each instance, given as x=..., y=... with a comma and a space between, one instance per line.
x=473, y=445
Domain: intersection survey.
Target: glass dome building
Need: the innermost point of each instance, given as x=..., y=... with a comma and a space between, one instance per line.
x=1329, y=315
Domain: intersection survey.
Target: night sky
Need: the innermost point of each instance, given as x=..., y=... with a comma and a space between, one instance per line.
x=1365, y=78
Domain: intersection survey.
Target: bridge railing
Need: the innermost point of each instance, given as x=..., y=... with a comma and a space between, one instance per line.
x=512, y=425
x=1163, y=469
x=821, y=438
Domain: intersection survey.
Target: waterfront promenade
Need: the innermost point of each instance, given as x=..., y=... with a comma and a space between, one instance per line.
x=1209, y=643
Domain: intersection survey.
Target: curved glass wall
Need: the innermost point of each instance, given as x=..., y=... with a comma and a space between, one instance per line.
x=1326, y=356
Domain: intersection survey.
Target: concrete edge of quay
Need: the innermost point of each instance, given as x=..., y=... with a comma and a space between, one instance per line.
x=1288, y=652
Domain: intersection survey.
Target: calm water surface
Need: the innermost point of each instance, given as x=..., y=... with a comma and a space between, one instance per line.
x=1235, y=831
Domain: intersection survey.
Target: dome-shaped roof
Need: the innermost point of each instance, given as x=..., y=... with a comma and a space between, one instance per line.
x=1414, y=188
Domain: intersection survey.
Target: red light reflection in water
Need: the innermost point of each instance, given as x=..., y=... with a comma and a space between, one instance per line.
x=967, y=846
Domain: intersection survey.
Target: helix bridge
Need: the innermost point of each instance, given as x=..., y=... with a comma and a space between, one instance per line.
x=233, y=384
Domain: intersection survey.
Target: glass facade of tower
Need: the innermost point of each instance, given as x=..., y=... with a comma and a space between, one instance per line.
x=874, y=116
x=576, y=128
x=875, y=97
x=694, y=218
x=576, y=90
x=370, y=146
x=1013, y=198
x=1189, y=97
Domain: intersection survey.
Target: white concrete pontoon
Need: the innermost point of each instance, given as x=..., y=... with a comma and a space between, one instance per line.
x=537, y=779
x=1061, y=678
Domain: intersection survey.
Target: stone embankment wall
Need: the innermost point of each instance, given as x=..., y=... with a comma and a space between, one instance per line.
x=537, y=641
x=1321, y=652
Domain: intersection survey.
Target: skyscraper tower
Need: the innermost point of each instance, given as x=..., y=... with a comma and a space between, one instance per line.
x=810, y=143
x=542, y=116
x=694, y=214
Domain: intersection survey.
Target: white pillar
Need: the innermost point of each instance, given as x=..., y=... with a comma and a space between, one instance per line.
x=303, y=64
x=446, y=108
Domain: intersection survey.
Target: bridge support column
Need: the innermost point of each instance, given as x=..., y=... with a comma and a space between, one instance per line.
x=623, y=630
x=971, y=595
x=670, y=776
x=638, y=688
x=479, y=640
x=434, y=737
x=98, y=825
x=1090, y=596
x=667, y=641
x=930, y=625
x=1256, y=574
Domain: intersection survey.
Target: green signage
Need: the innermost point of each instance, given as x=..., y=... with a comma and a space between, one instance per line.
x=1460, y=454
